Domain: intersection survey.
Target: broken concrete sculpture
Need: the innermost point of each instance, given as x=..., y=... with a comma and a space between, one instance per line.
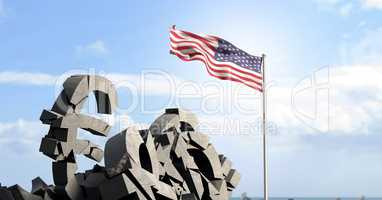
x=170, y=160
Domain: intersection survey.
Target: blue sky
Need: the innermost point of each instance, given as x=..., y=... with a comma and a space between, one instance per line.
x=324, y=63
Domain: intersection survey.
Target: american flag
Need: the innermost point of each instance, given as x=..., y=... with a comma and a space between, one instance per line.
x=222, y=59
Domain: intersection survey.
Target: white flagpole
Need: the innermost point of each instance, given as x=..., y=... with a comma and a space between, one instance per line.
x=264, y=134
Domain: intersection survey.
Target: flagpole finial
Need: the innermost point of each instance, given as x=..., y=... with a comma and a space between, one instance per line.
x=173, y=26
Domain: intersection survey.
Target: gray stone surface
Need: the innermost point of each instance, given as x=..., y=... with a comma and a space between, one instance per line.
x=117, y=187
x=38, y=186
x=5, y=194
x=63, y=171
x=122, y=150
x=233, y=178
x=19, y=193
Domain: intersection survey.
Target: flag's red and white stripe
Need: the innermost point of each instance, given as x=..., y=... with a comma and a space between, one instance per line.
x=189, y=46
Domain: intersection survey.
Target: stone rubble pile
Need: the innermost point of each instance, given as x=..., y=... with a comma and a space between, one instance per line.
x=170, y=160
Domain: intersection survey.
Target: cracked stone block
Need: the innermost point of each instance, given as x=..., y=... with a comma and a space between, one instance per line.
x=67, y=121
x=105, y=94
x=172, y=172
x=199, y=140
x=95, y=154
x=5, y=194
x=93, y=125
x=63, y=171
x=213, y=158
x=48, y=116
x=62, y=105
x=76, y=88
x=19, y=193
x=117, y=188
x=233, y=178
x=68, y=135
x=49, y=147
x=72, y=190
x=226, y=164
x=94, y=179
x=163, y=123
x=82, y=147
x=38, y=186
x=188, y=118
x=123, y=149
x=189, y=196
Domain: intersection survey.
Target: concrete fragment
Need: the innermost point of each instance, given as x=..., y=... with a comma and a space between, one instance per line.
x=82, y=147
x=143, y=180
x=49, y=147
x=197, y=183
x=47, y=116
x=95, y=154
x=164, y=191
x=233, y=178
x=117, y=188
x=68, y=135
x=63, y=171
x=210, y=191
x=199, y=140
x=163, y=154
x=189, y=196
x=19, y=193
x=76, y=88
x=226, y=164
x=5, y=194
x=67, y=121
x=73, y=190
x=62, y=105
x=214, y=161
x=93, y=125
x=148, y=149
x=38, y=186
x=163, y=123
x=94, y=179
x=105, y=93
x=180, y=150
x=123, y=145
x=189, y=120
x=172, y=172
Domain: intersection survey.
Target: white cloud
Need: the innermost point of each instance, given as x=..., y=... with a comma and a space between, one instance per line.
x=1, y=8
x=342, y=102
x=357, y=77
x=327, y=2
x=374, y=4
x=97, y=47
x=24, y=136
x=350, y=103
x=147, y=83
x=21, y=136
x=357, y=104
x=347, y=113
x=366, y=50
x=346, y=9
x=26, y=78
